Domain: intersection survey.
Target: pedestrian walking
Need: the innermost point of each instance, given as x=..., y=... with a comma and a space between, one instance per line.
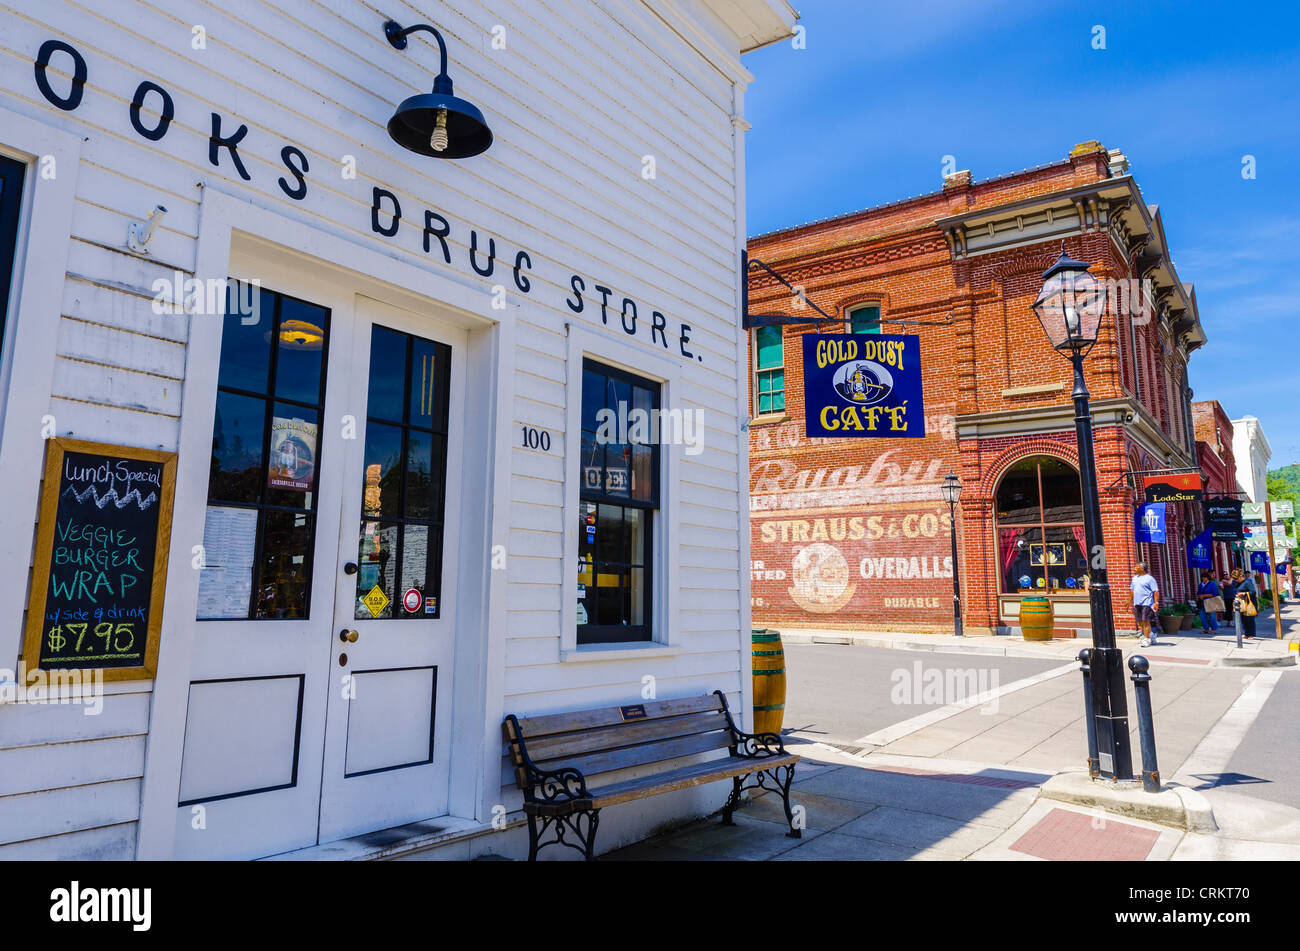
x=1146, y=602
x=1210, y=602
x=1245, y=603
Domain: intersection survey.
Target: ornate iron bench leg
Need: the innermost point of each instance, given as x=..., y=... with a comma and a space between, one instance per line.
x=532, y=838
x=733, y=801
x=788, y=771
x=589, y=840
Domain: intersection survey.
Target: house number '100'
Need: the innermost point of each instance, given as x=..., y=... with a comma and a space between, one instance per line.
x=537, y=439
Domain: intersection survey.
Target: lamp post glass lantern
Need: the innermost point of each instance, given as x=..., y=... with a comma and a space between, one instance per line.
x=1070, y=307
x=951, y=491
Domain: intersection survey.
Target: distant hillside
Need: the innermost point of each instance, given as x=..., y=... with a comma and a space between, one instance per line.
x=1289, y=477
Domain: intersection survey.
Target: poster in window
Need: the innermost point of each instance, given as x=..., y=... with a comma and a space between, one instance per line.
x=293, y=454
x=1055, y=554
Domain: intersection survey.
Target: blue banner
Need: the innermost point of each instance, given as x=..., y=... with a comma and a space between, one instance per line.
x=1259, y=561
x=1149, y=522
x=863, y=385
x=1198, y=551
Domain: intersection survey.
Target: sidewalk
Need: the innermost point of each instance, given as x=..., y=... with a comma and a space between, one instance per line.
x=965, y=781
x=885, y=807
x=1195, y=646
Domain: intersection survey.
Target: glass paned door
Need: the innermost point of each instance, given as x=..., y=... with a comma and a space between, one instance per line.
x=388, y=725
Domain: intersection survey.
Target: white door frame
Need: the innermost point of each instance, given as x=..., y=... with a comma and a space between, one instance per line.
x=32, y=328
x=384, y=274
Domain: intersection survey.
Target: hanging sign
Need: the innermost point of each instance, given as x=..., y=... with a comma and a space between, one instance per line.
x=1254, y=511
x=1198, y=551
x=1171, y=487
x=1149, y=522
x=1224, y=518
x=863, y=385
x=101, y=559
x=1259, y=561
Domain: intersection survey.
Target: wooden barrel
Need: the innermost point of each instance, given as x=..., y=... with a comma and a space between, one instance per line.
x=769, y=681
x=1037, y=618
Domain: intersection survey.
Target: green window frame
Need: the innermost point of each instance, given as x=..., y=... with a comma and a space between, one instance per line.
x=769, y=370
x=865, y=319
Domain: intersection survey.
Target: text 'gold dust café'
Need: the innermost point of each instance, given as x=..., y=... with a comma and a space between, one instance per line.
x=299, y=400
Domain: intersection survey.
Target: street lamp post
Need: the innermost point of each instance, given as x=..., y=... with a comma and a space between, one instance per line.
x=1070, y=307
x=951, y=490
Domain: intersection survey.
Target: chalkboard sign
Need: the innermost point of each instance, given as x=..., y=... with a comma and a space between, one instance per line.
x=101, y=559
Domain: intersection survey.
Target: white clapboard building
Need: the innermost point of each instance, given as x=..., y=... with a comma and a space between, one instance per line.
x=378, y=368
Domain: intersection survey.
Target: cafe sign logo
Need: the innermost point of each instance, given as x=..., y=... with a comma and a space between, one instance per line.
x=863, y=385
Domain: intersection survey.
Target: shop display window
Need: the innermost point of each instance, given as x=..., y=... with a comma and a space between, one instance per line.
x=260, y=527
x=1039, y=511
x=618, y=501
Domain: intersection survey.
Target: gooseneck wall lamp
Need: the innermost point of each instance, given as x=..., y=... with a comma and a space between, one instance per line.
x=436, y=124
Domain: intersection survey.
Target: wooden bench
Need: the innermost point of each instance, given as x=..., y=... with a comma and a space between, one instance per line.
x=553, y=755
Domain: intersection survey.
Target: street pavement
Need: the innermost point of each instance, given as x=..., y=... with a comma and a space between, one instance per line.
x=894, y=772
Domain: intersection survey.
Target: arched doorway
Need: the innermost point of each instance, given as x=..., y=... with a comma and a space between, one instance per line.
x=1038, y=524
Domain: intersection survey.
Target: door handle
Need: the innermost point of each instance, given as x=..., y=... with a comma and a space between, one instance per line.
x=350, y=568
x=348, y=637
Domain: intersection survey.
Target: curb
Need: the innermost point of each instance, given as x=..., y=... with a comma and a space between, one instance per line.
x=1176, y=806
x=1282, y=660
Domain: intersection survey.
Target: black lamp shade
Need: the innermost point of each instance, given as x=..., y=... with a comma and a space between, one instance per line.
x=1070, y=305
x=416, y=118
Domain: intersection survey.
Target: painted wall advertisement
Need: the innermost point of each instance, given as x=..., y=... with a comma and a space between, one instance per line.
x=897, y=561
x=863, y=385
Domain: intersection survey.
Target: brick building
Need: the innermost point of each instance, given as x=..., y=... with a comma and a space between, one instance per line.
x=1214, y=454
x=852, y=533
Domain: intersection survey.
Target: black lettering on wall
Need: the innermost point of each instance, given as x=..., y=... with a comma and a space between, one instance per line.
x=440, y=233
x=683, y=339
x=522, y=282
x=604, y=302
x=216, y=142
x=377, y=194
x=657, y=324
x=629, y=303
x=473, y=254
x=578, y=285
x=165, y=114
x=73, y=99
x=297, y=192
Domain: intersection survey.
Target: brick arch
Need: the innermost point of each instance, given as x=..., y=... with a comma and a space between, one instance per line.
x=1033, y=447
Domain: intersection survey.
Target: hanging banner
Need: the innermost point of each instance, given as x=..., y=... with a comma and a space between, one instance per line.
x=1149, y=522
x=1198, y=551
x=1259, y=561
x=1180, y=487
x=863, y=385
x=1224, y=518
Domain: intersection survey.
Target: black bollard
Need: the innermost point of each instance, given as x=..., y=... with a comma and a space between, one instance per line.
x=1146, y=725
x=1094, y=769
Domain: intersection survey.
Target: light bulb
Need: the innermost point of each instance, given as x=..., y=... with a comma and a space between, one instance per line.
x=438, y=140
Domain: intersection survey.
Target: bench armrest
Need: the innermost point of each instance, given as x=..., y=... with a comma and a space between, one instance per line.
x=757, y=745
x=547, y=785
x=750, y=745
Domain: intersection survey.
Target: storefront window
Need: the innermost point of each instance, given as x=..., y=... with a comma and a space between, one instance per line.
x=769, y=360
x=402, y=501
x=261, y=517
x=11, y=193
x=1041, y=545
x=618, y=500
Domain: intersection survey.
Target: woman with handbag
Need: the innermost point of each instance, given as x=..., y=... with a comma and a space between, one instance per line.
x=1210, y=603
x=1246, y=602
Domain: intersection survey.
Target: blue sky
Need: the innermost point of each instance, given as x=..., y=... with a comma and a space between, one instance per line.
x=883, y=91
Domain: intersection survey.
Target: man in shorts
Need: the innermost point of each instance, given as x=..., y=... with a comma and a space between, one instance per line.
x=1146, y=602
